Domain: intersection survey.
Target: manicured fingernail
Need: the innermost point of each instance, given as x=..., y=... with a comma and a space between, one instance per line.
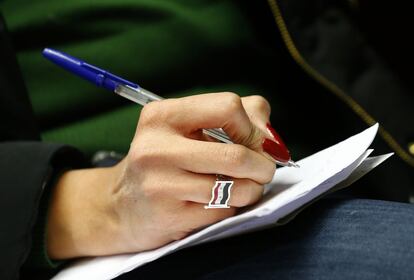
x=276, y=148
x=275, y=151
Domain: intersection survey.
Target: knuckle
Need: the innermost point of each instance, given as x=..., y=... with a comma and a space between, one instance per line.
x=242, y=196
x=232, y=103
x=246, y=195
x=153, y=113
x=149, y=113
x=235, y=156
x=253, y=139
x=270, y=174
x=147, y=156
x=136, y=156
x=260, y=103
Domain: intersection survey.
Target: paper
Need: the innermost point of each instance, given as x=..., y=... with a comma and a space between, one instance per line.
x=290, y=190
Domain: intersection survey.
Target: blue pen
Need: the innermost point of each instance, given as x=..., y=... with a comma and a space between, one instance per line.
x=122, y=87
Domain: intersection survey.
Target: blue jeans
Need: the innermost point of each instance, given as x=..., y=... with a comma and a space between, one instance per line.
x=332, y=239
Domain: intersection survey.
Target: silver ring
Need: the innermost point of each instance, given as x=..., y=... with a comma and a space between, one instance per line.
x=220, y=193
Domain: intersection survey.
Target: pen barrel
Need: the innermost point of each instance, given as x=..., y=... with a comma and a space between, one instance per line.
x=137, y=95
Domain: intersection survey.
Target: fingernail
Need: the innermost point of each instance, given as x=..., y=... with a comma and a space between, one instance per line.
x=276, y=147
x=275, y=135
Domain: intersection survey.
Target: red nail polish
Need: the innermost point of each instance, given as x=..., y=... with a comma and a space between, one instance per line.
x=276, y=148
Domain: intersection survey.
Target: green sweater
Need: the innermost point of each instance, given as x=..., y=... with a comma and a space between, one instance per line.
x=172, y=48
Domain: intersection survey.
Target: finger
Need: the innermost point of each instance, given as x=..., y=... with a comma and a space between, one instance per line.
x=202, y=157
x=232, y=160
x=198, y=188
x=215, y=110
x=200, y=217
x=258, y=109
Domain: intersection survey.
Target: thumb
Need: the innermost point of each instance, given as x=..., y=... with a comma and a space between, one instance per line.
x=251, y=136
x=268, y=144
x=252, y=131
x=258, y=110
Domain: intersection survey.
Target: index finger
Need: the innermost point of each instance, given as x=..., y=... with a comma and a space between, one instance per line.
x=214, y=110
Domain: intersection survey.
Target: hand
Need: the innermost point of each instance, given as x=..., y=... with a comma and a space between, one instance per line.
x=157, y=193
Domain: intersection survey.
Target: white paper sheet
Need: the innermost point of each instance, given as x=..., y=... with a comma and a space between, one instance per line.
x=290, y=189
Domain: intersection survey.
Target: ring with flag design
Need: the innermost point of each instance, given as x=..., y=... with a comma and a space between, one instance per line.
x=220, y=194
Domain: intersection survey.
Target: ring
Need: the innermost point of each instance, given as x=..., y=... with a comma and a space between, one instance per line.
x=220, y=193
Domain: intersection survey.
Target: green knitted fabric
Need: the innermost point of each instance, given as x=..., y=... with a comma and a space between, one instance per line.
x=172, y=48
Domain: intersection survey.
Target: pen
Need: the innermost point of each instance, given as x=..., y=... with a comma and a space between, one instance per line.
x=122, y=87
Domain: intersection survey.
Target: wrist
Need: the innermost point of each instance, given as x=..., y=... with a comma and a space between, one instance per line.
x=82, y=220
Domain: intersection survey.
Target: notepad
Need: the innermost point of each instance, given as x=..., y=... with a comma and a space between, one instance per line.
x=290, y=191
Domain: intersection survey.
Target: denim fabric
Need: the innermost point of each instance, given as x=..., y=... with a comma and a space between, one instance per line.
x=333, y=239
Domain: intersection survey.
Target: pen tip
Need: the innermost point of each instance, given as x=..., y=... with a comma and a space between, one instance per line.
x=293, y=164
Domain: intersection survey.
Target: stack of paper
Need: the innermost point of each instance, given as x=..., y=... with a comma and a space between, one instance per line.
x=290, y=190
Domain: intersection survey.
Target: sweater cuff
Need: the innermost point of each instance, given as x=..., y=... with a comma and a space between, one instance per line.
x=38, y=257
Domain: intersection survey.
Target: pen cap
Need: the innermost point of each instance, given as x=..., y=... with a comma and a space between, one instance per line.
x=86, y=71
